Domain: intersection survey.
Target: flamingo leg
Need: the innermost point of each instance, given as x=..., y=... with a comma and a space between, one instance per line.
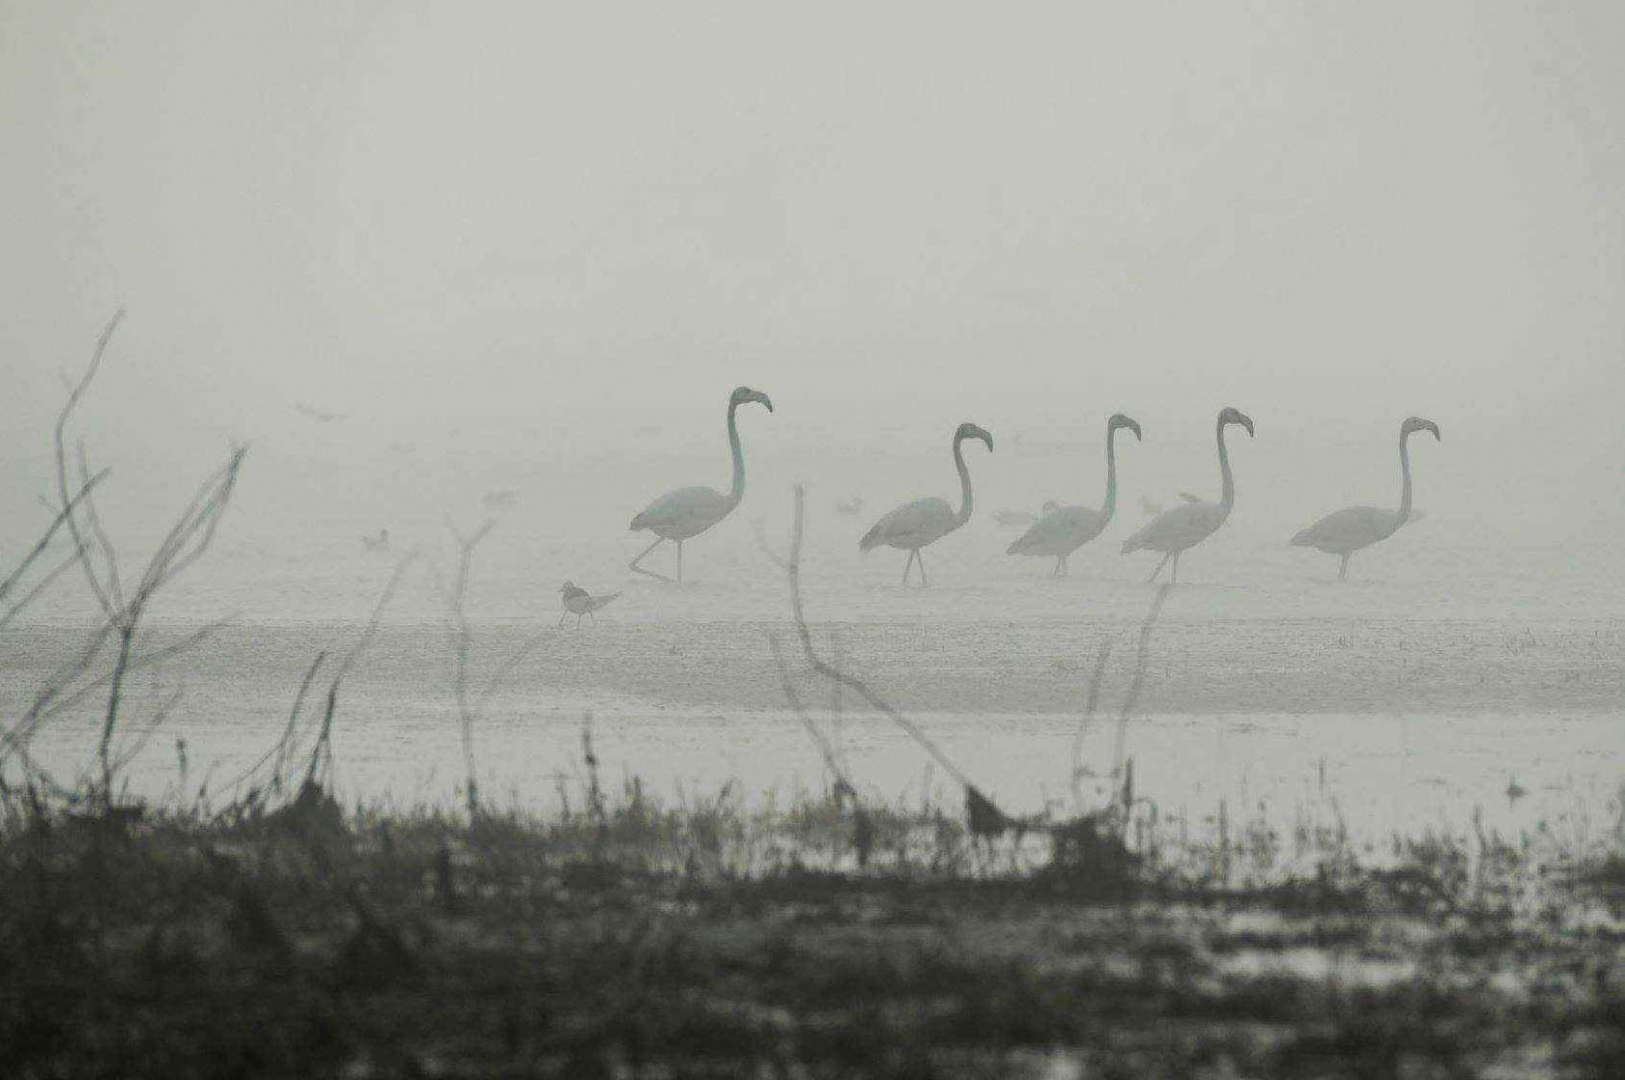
x=1055, y=571
x=633, y=565
x=920, y=558
x=1343, y=569
x=909, y=565
x=1175, y=580
x=679, y=562
x=566, y=615
x=1158, y=570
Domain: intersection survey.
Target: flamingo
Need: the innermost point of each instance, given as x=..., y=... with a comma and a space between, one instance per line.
x=924, y=521
x=1345, y=531
x=1174, y=531
x=685, y=513
x=1065, y=529
x=579, y=602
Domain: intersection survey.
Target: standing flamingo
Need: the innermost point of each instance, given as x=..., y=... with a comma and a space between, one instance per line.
x=924, y=521
x=1345, y=531
x=1174, y=531
x=1065, y=529
x=685, y=513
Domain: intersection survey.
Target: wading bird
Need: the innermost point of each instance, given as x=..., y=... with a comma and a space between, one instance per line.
x=685, y=513
x=579, y=602
x=1065, y=529
x=913, y=525
x=1345, y=531
x=1174, y=531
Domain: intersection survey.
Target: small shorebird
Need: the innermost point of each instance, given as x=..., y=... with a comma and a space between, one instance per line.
x=376, y=543
x=579, y=602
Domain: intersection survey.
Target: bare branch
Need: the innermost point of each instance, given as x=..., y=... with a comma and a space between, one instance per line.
x=1088, y=717
x=74, y=397
x=1133, y=696
x=828, y=671
x=109, y=553
x=44, y=541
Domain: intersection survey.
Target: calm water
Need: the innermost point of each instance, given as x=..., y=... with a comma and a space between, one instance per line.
x=1419, y=691
x=1462, y=654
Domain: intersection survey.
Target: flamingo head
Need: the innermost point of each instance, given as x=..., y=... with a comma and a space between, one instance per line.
x=971, y=431
x=744, y=394
x=1416, y=423
x=1232, y=415
x=1121, y=420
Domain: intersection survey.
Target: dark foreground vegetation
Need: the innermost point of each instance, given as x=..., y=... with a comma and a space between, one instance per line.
x=634, y=940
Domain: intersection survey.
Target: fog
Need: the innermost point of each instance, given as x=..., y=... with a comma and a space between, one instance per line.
x=519, y=241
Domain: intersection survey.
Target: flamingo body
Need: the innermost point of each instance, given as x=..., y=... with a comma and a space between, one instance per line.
x=1345, y=531
x=911, y=526
x=684, y=513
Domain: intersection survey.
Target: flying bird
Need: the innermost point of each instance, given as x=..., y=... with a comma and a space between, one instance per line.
x=685, y=513
x=913, y=525
x=1175, y=531
x=1345, y=531
x=579, y=602
x=1065, y=529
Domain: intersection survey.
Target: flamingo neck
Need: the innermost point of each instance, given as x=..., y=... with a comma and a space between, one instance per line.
x=1109, y=507
x=965, y=501
x=1228, y=498
x=737, y=492
x=1405, y=470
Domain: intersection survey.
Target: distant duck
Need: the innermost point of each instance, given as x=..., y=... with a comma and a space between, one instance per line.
x=505, y=499
x=376, y=543
x=849, y=507
x=1015, y=519
x=579, y=602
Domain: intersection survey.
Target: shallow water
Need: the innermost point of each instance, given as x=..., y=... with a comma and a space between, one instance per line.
x=1407, y=697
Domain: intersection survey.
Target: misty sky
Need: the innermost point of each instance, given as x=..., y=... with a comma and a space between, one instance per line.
x=1325, y=213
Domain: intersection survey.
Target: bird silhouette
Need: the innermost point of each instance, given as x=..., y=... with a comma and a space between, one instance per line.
x=1176, y=531
x=579, y=602
x=1345, y=531
x=1065, y=529
x=913, y=525
x=685, y=513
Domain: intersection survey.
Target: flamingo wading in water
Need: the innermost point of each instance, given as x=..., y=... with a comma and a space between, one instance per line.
x=1345, y=531
x=913, y=525
x=1174, y=531
x=1065, y=529
x=685, y=513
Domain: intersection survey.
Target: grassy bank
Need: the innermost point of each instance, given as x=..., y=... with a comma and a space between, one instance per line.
x=625, y=938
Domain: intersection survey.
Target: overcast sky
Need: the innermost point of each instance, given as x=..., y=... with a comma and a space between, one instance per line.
x=1326, y=213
